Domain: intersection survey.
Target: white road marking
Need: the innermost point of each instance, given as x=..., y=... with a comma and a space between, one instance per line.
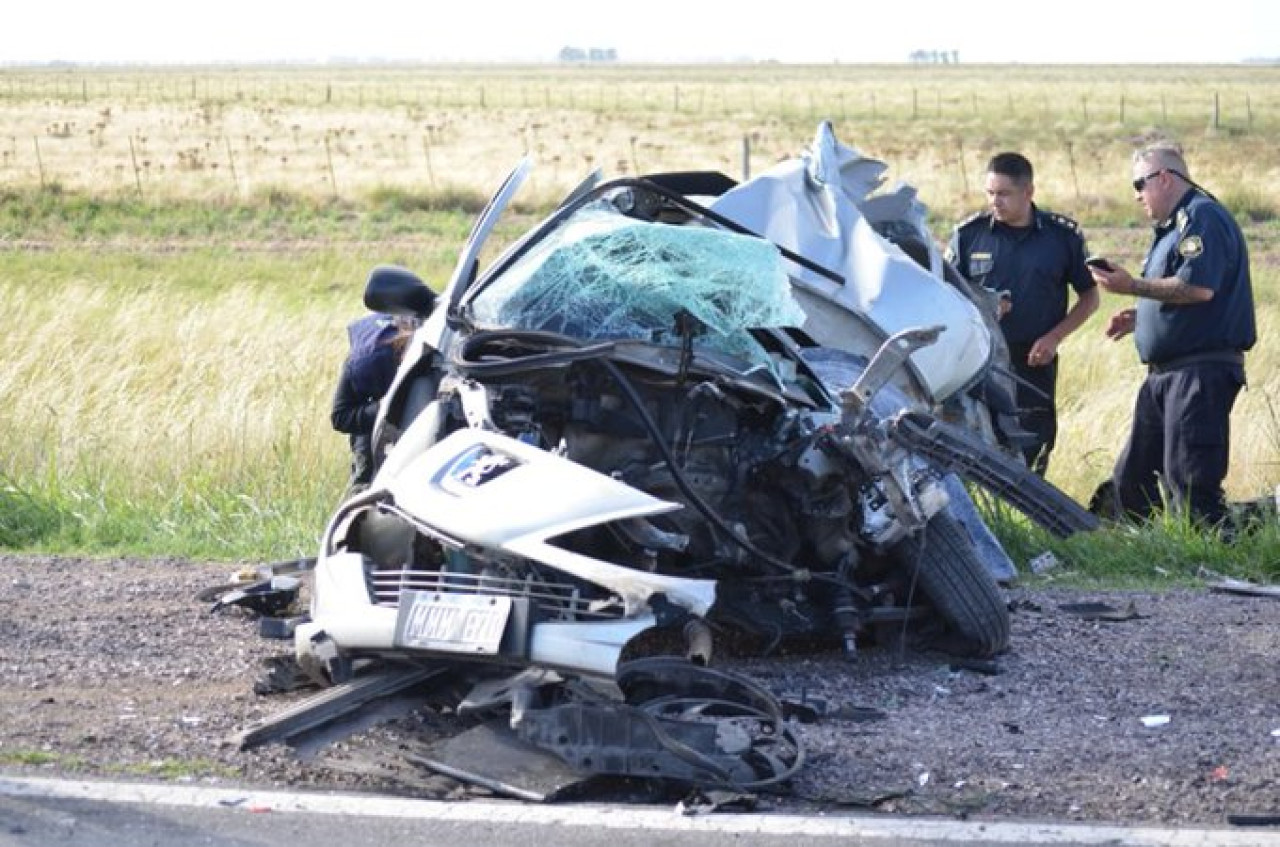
x=844, y=826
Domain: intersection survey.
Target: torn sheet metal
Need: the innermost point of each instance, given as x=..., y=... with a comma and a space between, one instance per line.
x=493, y=757
x=1240, y=586
x=333, y=703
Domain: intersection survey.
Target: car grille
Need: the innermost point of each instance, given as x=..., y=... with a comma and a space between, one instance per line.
x=555, y=601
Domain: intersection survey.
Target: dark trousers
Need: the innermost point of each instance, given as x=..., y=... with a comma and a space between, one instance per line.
x=361, y=459
x=1179, y=446
x=1037, y=406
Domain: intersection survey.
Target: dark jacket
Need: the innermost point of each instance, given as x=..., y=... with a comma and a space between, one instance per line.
x=366, y=376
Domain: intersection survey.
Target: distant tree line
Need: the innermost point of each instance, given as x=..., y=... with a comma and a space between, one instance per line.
x=591, y=54
x=935, y=57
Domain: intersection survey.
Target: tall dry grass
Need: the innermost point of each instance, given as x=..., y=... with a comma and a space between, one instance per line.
x=175, y=393
x=340, y=132
x=142, y=417
x=157, y=387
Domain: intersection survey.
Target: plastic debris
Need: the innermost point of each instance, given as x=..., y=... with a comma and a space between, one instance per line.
x=1240, y=586
x=272, y=596
x=1253, y=819
x=1043, y=563
x=1155, y=720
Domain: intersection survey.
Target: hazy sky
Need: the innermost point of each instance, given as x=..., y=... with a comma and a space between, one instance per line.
x=649, y=30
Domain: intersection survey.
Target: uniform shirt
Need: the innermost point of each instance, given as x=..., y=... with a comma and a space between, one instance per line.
x=367, y=373
x=1202, y=245
x=1036, y=264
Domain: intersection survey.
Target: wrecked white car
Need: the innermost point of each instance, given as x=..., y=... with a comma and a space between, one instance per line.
x=679, y=404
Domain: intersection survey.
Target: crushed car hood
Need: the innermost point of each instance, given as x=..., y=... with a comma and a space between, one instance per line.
x=818, y=206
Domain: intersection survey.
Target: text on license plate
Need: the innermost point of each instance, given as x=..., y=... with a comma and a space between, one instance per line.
x=456, y=623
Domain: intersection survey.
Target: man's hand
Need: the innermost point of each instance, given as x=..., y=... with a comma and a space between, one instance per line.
x=1117, y=280
x=1121, y=323
x=1004, y=304
x=1043, y=351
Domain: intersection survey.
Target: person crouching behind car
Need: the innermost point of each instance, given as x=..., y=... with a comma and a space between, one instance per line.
x=377, y=343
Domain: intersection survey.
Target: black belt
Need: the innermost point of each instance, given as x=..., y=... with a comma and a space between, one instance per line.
x=1226, y=357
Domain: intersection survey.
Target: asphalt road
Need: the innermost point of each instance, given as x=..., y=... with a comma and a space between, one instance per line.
x=41, y=812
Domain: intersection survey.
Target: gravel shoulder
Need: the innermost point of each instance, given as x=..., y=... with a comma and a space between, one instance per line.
x=112, y=668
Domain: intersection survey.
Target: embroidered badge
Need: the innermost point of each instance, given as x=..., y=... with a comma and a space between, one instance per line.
x=1190, y=247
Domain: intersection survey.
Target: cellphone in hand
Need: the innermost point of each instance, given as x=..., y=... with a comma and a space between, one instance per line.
x=1099, y=263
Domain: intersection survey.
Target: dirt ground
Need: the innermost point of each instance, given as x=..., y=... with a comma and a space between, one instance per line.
x=1171, y=714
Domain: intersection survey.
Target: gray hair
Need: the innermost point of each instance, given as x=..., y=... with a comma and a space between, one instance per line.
x=1163, y=154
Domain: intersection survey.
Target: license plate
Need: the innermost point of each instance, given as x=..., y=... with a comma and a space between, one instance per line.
x=453, y=623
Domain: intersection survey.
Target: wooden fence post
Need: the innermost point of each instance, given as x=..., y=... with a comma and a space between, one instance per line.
x=333, y=179
x=231, y=163
x=1071, y=160
x=39, y=160
x=426, y=153
x=137, y=175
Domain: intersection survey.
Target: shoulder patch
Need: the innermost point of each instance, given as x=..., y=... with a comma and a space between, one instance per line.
x=975, y=217
x=1190, y=247
x=1063, y=221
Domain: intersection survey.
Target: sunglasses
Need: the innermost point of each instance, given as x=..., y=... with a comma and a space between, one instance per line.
x=1141, y=182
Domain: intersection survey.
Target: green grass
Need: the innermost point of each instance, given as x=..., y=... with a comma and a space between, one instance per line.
x=275, y=217
x=169, y=769
x=36, y=758
x=176, y=317
x=174, y=769
x=171, y=397
x=1167, y=551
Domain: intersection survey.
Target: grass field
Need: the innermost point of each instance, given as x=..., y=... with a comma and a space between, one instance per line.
x=342, y=132
x=180, y=250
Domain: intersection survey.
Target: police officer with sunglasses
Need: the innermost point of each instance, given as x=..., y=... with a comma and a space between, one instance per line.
x=1192, y=322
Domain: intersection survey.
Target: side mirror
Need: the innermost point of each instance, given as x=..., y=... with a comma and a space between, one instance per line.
x=393, y=290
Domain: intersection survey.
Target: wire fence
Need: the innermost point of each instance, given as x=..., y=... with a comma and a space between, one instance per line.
x=232, y=132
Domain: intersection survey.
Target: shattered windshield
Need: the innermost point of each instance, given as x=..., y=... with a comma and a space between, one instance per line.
x=602, y=275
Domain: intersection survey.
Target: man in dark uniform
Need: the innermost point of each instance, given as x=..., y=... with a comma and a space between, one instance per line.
x=1031, y=258
x=1193, y=321
x=377, y=342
